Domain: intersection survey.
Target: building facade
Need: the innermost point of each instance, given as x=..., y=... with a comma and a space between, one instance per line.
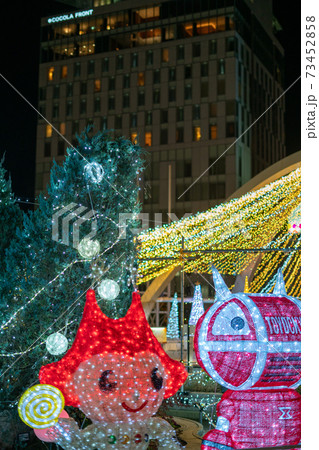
x=185, y=77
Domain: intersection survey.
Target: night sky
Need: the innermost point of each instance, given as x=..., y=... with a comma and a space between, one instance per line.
x=20, y=61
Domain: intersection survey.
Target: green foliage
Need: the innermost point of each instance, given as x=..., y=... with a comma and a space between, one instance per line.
x=34, y=258
x=10, y=214
x=200, y=381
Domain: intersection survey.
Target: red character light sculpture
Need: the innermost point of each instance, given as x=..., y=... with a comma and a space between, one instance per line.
x=117, y=373
x=250, y=344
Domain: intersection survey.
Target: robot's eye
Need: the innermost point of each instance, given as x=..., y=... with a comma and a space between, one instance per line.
x=105, y=384
x=237, y=323
x=157, y=380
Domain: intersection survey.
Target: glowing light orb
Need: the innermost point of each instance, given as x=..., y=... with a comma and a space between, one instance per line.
x=40, y=406
x=56, y=344
x=94, y=171
x=108, y=289
x=88, y=248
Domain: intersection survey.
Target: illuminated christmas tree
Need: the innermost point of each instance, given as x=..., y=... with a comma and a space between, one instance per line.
x=10, y=215
x=49, y=266
x=173, y=323
x=197, y=306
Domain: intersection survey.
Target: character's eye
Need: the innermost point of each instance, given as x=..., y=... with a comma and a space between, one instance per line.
x=237, y=323
x=104, y=383
x=157, y=380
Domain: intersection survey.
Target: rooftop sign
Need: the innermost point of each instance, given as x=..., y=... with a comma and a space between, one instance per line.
x=75, y=15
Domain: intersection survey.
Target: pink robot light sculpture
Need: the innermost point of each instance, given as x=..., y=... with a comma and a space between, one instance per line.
x=251, y=344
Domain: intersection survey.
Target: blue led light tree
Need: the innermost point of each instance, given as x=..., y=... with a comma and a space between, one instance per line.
x=45, y=277
x=197, y=306
x=173, y=322
x=10, y=214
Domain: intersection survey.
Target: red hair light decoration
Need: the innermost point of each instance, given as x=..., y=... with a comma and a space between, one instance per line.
x=117, y=373
x=98, y=334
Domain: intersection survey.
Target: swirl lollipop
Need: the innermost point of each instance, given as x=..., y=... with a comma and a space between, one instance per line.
x=40, y=406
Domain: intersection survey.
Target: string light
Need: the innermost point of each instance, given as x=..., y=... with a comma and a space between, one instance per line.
x=262, y=215
x=173, y=326
x=197, y=306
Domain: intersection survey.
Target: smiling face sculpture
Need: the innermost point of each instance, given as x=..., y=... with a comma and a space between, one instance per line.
x=116, y=371
x=119, y=388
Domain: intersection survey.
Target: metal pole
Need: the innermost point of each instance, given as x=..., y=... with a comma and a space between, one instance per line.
x=182, y=298
x=169, y=192
x=169, y=210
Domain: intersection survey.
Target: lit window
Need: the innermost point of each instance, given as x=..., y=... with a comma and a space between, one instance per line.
x=50, y=73
x=196, y=134
x=64, y=71
x=148, y=138
x=146, y=14
x=97, y=85
x=48, y=131
x=165, y=55
x=62, y=128
x=213, y=131
x=133, y=137
x=141, y=79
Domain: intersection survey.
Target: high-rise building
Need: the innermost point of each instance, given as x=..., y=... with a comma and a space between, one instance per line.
x=185, y=77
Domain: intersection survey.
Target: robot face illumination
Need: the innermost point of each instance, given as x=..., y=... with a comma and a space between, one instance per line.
x=251, y=341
